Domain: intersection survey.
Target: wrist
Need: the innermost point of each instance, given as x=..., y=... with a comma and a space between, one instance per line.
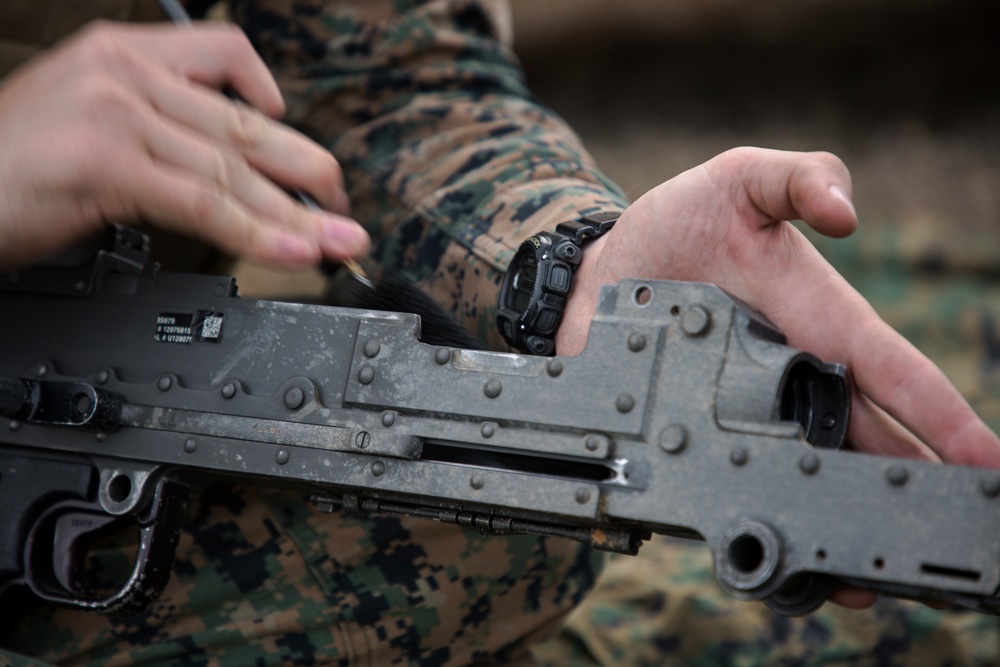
x=581, y=303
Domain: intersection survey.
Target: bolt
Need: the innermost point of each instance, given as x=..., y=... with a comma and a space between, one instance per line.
x=363, y=439
x=442, y=356
x=695, y=321
x=809, y=463
x=228, y=390
x=582, y=496
x=366, y=375
x=492, y=388
x=636, y=342
x=281, y=458
x=897, y=475
x=625, y=403
x=190, y=445
x=477, y=482
x=990, y=486
x=294, y=398
x=487, y=430
x=828, y=421
x=378, y=468
x=554, y=367
x=164, y=383
x=372, y=348
x=673, y=438
x=739, y=456
x=388, y=418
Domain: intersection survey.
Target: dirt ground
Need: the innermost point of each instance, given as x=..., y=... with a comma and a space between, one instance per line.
x=905, y=92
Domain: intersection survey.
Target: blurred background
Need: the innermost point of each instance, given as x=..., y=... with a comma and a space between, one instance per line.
x=906, y=92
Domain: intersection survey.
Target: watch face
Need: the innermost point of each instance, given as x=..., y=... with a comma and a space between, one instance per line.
x=523, y=284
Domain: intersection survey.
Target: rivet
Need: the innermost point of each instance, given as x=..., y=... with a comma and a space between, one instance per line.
x=897, y=475
x=41, y=370
x=554, y=367
x=366, y=375
x=636, y=342
x=582, y=496
x=372, y=348
x=164, y=383
x=14, y=425
x=695, y=321
x=294, y=398
x=362, y=439
x=281, y=458
x=828, y=421
x=101, y=436
x=492, y=388
x=593, y=443
x=739, y=456
x=487, y=430
x=79, y=286
x=477, y=482
x=228, y=390
x=378, y=468
x=809, y=463
x=219, y=290
x=442, y=356
x=673, y=438
x=102, y=376
x=990, y=486
x=388, y=418
x=190, y=445
x=625, y=403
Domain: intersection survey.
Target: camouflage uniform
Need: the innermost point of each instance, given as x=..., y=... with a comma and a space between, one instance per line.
x=450, y=163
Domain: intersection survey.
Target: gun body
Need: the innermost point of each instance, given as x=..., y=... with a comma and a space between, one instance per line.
x=686, y=415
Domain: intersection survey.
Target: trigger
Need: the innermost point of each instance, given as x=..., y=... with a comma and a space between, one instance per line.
x=73, y=535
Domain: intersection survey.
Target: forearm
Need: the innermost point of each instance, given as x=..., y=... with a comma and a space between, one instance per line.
x=450, y=161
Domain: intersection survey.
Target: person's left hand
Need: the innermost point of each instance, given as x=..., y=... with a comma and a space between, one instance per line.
x=725, y=222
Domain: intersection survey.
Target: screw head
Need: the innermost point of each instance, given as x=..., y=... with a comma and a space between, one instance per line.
x=673, y=438
x=228, y=390
x=294, y=398
x=695, y=320
x=492, y=388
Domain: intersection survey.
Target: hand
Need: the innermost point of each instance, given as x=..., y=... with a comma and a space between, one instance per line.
x=121, y=123
x=725, y=222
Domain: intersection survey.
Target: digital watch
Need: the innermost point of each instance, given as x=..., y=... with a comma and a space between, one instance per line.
x=534, y=289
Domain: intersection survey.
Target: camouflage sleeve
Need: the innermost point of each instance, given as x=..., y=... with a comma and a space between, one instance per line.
x=450, y=161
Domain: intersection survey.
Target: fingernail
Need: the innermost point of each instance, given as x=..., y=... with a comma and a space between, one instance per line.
x=346, y=234
x=841, y=194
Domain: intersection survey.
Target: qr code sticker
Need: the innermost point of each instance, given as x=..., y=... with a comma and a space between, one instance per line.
x=211, y=328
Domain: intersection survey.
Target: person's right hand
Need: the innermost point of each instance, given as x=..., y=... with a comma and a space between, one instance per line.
x=124, y=123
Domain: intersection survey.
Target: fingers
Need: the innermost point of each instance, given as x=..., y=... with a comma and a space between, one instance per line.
x=231, y=154
x=781, y=185
x=213, y=54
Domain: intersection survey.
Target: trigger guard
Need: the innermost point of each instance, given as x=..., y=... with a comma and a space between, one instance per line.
x=159, y=530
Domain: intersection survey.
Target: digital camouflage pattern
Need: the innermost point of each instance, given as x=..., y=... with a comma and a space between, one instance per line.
x=450, y=163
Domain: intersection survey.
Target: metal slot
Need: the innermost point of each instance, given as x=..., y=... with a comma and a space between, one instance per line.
x=505, y=460
x=955, y=573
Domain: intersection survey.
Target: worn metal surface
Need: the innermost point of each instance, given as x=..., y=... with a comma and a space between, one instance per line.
x=685, y=415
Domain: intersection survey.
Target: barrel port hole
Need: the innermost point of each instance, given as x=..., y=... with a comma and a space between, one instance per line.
x=119, y=488
x=879, y=563
x=746, y=553
x=81, y=404
x=675, y=310
x=821, y=554
x=642, y=295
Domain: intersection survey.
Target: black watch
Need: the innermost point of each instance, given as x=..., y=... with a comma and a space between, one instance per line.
x=534, y=289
